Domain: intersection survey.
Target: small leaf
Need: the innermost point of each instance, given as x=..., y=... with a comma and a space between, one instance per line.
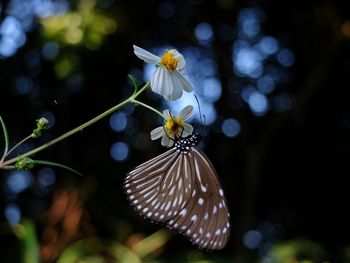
x=6, y=138
x=30, y=247
x=134, y=81
x=57, y=165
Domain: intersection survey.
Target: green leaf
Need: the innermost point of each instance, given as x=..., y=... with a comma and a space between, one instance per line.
x=57, y=165
x=6, y=138
x=30, y=248
x=134, y=81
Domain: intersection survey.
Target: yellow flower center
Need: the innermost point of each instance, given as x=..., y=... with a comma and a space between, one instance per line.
x=169, y=61
x=174, y=127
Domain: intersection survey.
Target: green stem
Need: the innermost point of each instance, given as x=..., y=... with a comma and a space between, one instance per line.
x=6, y=139
x=18, y=144
x=79, y=128
x=148, y=107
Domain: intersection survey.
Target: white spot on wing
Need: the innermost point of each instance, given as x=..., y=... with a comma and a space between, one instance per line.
x=172, y=190
x=183, y=212
x=200, y=201
x=194, y=218
x=168, y=206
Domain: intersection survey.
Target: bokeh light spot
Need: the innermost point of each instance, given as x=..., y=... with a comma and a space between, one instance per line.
x=204, y=33
x=211, y=89
x=119, y=151
x=268, y=45
x=11, y=36
x=118, y=121
x=12, y=214
x=231, y=127
x=266, y=84
x=248, y=61
x=285, y=57
x=252, y=239
x=18, y=181
x=249, y=22
x=258, y=103
x=50, y=50
x=247, y=91
x=24, y=85
x=46, y=177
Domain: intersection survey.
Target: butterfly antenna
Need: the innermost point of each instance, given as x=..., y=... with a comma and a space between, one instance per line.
x=167, y=135
x=205, y=119
x=199, y=109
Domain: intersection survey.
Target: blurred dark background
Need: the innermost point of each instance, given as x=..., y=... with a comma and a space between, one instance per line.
x=272, y=78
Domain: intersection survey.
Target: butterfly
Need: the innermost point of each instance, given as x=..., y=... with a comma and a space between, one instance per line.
x=180, y=189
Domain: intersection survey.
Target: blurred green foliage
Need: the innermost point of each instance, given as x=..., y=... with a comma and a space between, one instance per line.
x=86, y=26
x=303, y=251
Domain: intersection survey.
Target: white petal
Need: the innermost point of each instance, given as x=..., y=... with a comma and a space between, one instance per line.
x=168, y=84
x=186, y=112
x=173, y=89
x=166, y=114
x=166, y=141
x=157, y=80
x=188, y=129
x=181, y=60
x=146, y=56
x=185, y=83
x=157, y=133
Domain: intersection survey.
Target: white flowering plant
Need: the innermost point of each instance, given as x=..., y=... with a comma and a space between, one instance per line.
x=168, y=80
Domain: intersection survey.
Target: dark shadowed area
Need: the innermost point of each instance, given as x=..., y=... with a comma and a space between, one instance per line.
x=272, y=81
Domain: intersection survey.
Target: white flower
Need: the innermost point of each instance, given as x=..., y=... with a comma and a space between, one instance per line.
x=174, y=127
x=168, y=78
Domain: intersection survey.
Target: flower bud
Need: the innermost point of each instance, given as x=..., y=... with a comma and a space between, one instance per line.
x=24, y=164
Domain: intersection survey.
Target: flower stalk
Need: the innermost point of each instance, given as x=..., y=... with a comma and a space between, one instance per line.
x=131, y=99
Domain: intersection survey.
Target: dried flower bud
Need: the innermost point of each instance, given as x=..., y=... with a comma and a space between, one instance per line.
x=41, y=124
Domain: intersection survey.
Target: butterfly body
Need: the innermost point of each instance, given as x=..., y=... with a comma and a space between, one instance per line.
x=180, y=189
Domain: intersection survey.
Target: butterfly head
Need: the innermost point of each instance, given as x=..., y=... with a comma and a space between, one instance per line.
x=184, y=145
